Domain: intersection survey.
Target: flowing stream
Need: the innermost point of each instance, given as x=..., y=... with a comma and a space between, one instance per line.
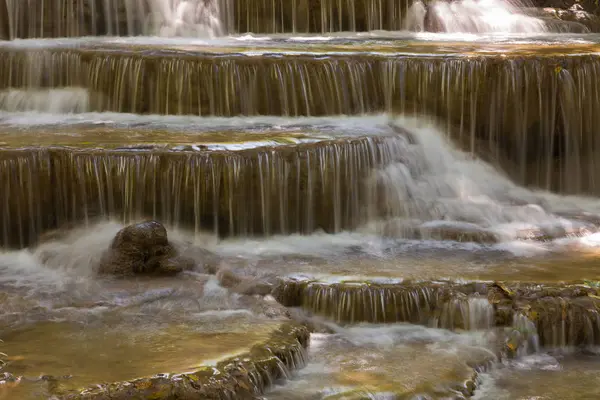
x=376, y=199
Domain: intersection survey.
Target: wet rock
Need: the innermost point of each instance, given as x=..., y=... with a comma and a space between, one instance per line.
x=576, y=16
x=244, y=285
x=143, y=248
x=562, y=315
x=240, y=377
x=227, y=278
x=205, y=260
x=438, y=230
x=458, y=232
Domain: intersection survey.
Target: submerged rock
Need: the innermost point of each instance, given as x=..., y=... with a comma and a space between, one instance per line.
x=245, y=285
x=143, y=248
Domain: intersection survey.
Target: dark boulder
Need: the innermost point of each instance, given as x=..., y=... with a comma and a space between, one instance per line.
x=143, y=249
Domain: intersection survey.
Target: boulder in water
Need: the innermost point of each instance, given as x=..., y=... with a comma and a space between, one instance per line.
x=143, y=249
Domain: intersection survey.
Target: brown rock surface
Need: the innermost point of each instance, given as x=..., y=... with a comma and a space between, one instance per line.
x=143, y=248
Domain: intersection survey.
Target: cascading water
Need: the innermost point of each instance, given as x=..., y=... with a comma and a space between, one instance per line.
x=209, y=18
x=472, y=16
x=191, y=18
x=385, y=178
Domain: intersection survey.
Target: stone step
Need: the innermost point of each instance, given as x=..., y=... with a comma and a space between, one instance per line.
x=231, y=182
x=561, y=315
x=531, y=108
x=241, y=373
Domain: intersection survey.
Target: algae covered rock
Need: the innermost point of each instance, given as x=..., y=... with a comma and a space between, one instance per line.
x=143, y=248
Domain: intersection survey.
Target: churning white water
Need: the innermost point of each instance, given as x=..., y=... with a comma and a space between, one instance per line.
x=472, y=16
x=434, y=183
x=63, y=100
x=191, y=18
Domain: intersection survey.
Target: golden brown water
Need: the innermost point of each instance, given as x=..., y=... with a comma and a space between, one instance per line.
x=92, y=355
x=62, y=328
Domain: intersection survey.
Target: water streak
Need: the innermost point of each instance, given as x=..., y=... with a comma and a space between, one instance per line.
x=258, y=191
x=465, y=312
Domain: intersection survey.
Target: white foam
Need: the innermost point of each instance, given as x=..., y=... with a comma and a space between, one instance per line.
x=474, y=16
x=63, y=100
x=192, y=18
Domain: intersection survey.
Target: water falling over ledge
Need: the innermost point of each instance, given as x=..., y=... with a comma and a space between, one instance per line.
x=68, y=18
x=564, y=317
x=71, y=18
x=534, y=112
x=261, y=191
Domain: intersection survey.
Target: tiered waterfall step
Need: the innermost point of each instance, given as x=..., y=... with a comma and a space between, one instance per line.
x=208, y=365
x=463, y=84
x=530, y=107
x=561, y=315
x=237, y=177
x=60, y=18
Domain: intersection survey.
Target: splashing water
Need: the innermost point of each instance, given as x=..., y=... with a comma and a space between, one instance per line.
x=434, y=182
x=63, y=100
x=472, y=16
x=192, y=18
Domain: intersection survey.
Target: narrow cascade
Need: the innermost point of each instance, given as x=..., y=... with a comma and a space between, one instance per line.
x=523, y=338
x=260, y=191
x=472, y=16
x=195, y=18
x=360, y=302
x=566, y=323
x=70, y=18
x=469, y=313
